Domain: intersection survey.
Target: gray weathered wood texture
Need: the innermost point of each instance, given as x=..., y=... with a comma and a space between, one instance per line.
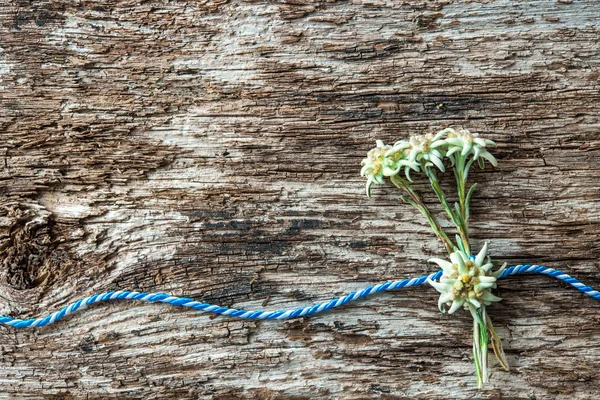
x=212, y=150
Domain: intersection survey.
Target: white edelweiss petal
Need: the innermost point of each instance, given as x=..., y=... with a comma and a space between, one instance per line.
x=407, y=173
x=389, y=152
x=489, y=142
x=476, y=150
x=415, y=166
x=462, y=267
x=369, y=184
x=486, y=285
x=488, y=296
x=438, y=163
x=401, y=145
x=389, y=171
x=449, y=281
x=436, y=153
x=455, y=141
x=448, y=131
x=454, y=257
x=443, y=264
x=500, y=271
x=380, y=143
x=474, y=302
x=466, y=149
x=452, y=150
x=479, y=142
x=458, y=260
x=378, y=179
x=487, y=267
x=486, y=154
x=438, y=135
x=440, y=286
x=444, y=298
x=441, y=305
x=365, y=169
x=456, y=305
x=481, y=255
x=413, y=153
x=490, y=279
x=437, y=144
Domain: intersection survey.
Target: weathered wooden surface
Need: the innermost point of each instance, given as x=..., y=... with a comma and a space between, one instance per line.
x=212, y=150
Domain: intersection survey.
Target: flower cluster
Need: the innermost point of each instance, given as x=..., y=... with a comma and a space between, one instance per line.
x=466, y=281
x=467, y=143
x=421, y=152
x=373, y=165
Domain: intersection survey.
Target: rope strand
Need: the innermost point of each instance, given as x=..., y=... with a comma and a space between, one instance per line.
x=288, y=314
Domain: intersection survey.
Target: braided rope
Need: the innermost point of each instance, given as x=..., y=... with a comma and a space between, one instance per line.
x=298, y=312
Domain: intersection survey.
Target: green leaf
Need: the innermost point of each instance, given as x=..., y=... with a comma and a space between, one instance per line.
x=411, y=202
x=497, y=344
x=477, y=366
x=479, y=347
x=460, y=243
x=458, y=213
x=456, y=175
x=468, y=200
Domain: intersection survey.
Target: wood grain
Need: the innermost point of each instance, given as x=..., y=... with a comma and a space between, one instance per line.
x=211, y=149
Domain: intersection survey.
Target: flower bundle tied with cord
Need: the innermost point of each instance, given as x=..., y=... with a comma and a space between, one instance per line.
x=467, y=280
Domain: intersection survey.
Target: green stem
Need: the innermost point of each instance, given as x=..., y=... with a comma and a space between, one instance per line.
x=484, y=344
x=476, y=354
x=461, y=172
x=480, y=344
x=440, y=193
x=456, y=219
x=416, y=201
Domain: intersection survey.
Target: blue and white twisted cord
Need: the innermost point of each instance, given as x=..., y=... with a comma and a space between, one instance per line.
x=298, y=312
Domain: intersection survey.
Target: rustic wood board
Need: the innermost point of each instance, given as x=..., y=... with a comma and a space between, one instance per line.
x=212, y=150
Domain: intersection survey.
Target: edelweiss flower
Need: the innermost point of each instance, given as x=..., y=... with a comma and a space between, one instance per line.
x=419, y=151
x=466, y=143
x=373, y=165
x=466, y=281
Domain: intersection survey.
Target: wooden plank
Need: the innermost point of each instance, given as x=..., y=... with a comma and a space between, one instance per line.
x=212, y=150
